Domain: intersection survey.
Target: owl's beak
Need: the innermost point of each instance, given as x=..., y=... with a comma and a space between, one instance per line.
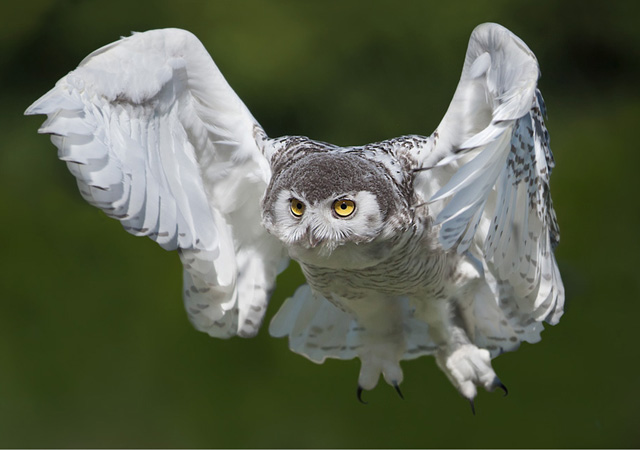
x=314, y=241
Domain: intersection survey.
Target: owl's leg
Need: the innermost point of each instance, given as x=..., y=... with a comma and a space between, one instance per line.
x=466, y=365
x=382, y=342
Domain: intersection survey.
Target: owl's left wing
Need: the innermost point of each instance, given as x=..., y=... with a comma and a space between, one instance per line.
x=498, y=198
x=158, y=140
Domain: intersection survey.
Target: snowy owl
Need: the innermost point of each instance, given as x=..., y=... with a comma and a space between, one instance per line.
x=439, y=245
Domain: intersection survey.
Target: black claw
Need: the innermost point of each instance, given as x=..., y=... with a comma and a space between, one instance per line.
x=473, y=407
x=360, y=396
x=504, y=388
x=397, y=388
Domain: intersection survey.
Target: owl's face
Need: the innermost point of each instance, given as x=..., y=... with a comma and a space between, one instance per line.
x=326, y=205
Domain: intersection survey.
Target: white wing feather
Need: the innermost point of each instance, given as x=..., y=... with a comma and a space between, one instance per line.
x=498, y=199
x=158, y=140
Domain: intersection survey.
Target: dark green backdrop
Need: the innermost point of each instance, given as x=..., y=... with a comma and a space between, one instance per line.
x=95, y=349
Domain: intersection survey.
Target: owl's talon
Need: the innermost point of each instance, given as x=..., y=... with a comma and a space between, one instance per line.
x=359, y=393
x=397, y=388
x=504, y=388
x=468, y=367
x=473, y=406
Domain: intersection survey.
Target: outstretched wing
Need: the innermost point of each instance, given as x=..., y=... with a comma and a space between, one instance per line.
x=498, y=199
x=158, y=140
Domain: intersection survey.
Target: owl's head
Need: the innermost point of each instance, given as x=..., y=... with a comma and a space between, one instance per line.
x=324, y=200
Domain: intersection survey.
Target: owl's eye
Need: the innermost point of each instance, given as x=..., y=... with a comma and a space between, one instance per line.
x=344, y=208
x=297, y=207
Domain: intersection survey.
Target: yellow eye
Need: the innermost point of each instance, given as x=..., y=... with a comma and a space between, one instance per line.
x=344, y=208
x=297, y=207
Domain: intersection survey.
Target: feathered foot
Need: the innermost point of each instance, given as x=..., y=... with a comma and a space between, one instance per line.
x=468, y=367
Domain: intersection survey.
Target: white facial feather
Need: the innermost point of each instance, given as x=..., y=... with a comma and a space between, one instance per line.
x=320, y=227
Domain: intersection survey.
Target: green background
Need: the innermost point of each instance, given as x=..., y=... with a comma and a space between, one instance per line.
x=95, y=348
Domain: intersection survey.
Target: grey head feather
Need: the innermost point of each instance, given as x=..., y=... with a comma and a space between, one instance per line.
x=320, y=171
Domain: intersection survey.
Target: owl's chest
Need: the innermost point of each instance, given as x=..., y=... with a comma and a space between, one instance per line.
x=405, y=266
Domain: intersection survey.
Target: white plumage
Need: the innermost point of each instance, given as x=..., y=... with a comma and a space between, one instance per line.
x=417, y=245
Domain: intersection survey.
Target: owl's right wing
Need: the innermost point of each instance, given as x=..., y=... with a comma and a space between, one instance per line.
x=158, y=140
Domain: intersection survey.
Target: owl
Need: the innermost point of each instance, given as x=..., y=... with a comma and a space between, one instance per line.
x=436, y=245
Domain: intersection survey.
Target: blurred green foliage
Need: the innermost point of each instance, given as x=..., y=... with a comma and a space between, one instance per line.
x=95, y=349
